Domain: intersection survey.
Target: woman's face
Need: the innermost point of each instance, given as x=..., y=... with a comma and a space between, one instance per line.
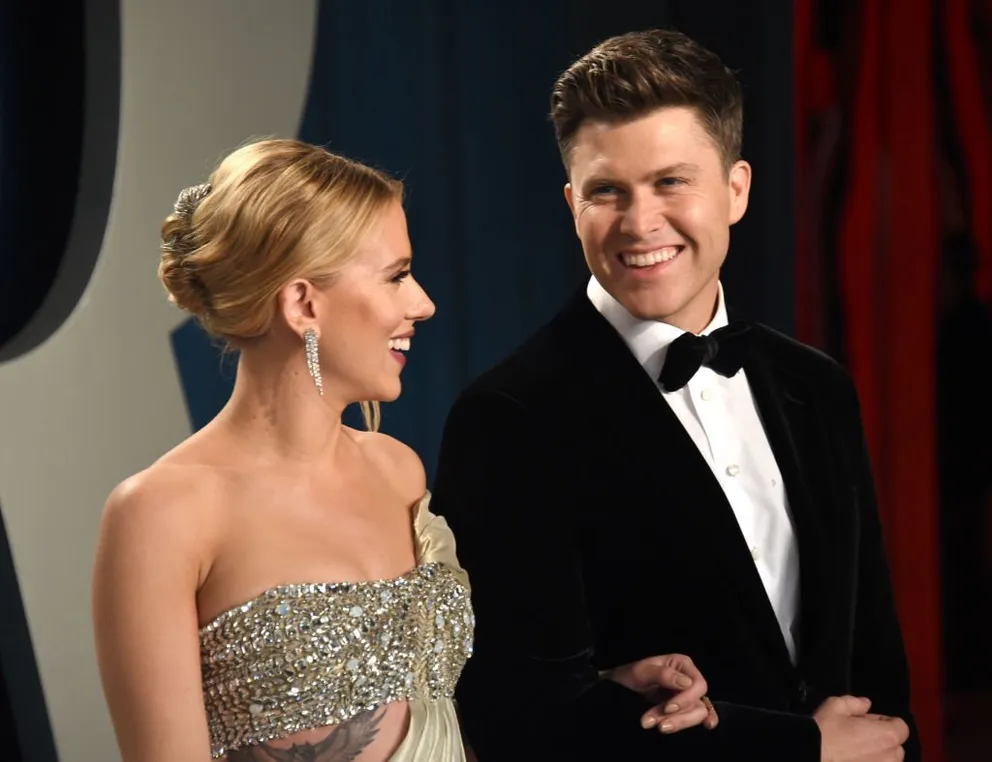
x=368, y=314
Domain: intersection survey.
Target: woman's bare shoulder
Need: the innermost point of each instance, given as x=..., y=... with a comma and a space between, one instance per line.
x=173, y=506
x=399, y=461
x=154, y=552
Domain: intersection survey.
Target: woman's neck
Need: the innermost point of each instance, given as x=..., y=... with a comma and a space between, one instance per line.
x=275, y=408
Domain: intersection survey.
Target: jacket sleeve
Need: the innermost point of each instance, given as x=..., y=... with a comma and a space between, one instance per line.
x=531, y=690
x=879, y=669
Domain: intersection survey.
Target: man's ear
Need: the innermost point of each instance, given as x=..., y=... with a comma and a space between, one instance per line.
x=739, y=187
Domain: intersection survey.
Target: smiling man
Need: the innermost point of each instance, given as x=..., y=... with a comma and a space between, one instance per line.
x=647, y=476
x=653, y=200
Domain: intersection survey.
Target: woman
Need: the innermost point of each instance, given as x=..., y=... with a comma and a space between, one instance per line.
x=219, y=630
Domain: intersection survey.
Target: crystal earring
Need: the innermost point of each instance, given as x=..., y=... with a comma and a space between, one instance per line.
x=313, y=359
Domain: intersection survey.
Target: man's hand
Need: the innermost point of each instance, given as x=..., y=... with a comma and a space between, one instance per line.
x=849, y=734
x=678, y=687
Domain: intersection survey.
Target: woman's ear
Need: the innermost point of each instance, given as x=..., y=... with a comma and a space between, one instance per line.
x=298, y=305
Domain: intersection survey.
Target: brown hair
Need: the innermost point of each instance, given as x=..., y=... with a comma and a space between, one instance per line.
x=631, y=75
x=273, y=211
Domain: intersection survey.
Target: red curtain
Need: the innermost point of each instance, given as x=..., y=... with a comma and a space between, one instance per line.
x=971, y=125
x=904, y=442
x=807, y=104
x=885, y=261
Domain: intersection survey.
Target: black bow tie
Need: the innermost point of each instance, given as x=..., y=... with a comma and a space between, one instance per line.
x=724, y=350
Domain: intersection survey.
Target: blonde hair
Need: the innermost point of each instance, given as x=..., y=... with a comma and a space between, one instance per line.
x=273, y=211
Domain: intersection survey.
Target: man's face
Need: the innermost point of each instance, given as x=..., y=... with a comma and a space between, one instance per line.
x=653, y=204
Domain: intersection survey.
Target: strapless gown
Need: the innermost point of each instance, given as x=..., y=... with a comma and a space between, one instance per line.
x=304, y=656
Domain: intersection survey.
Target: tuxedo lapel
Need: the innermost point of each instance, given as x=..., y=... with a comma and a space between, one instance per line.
x=791, y=424
x=644, y=434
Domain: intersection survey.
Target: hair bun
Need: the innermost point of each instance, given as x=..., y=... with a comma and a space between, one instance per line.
x=273, y=210
x=180, y=240
x=175, y=270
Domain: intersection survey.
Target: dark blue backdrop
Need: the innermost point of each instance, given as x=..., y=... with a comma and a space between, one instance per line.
x=452, y=96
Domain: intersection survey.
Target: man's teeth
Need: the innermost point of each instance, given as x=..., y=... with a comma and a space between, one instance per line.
x=652, y=257
x=401, y=345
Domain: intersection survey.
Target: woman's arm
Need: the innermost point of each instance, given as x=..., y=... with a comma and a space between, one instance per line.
x=149, y=565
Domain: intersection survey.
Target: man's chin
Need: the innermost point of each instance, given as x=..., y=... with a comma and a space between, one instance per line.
x=644, y=307
x=683, y=306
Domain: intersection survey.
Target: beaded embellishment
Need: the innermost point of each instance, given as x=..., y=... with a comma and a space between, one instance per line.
x=299, y=657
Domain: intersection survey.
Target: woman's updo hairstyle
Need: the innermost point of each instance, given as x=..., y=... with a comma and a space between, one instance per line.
x=273, y=211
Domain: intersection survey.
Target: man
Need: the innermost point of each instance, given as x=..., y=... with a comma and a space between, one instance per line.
x=620, y=488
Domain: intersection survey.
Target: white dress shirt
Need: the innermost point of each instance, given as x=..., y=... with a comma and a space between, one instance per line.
x=720, y=415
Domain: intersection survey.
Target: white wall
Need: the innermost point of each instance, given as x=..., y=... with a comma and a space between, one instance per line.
x=101, y=398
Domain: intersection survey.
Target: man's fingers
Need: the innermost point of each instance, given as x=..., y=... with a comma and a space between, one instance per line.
x=899, y=728
x=896, y=726
x=850, y=706
x=857, y=706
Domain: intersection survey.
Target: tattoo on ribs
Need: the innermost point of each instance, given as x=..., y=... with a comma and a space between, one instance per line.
x=344, y=743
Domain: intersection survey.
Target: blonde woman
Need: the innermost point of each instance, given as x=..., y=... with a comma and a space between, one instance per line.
x=275, y=587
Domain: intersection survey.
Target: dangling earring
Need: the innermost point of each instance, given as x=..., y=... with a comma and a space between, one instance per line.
x=313, y=360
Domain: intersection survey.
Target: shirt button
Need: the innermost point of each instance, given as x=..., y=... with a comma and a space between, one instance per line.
x=756, y=553
x=733, y=469
x=706, y=394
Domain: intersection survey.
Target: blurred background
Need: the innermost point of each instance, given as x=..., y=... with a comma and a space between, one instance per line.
x=869, y=235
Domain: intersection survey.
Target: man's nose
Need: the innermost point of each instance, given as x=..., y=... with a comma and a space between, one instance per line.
x=642, y=217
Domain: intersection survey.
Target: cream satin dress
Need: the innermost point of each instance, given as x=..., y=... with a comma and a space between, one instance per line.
x=304, y=656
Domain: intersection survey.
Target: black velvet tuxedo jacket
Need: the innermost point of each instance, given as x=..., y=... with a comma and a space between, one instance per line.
x=595, y=534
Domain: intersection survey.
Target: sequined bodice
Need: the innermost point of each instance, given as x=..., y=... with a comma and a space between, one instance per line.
x=302, y=656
